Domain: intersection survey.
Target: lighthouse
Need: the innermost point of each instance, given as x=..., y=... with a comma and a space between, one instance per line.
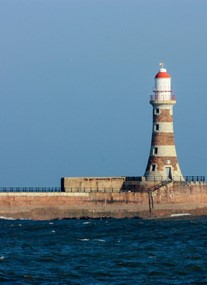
x=163, y=163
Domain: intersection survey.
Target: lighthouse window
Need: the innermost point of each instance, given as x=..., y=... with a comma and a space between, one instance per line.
x=153, y=167
x=155, y=150
x=157, y=127
x=157, y=111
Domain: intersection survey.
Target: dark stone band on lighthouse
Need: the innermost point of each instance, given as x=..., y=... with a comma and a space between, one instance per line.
x=164, y=115
x=162, y=139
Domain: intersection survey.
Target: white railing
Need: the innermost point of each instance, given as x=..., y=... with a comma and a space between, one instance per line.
x=162, y=97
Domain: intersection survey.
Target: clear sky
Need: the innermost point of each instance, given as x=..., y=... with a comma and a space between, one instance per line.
x=75, y=81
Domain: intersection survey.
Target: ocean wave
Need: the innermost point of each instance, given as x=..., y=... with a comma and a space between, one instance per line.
x=180, y=215
x=84, y=239
x=14, y=219
x=6, y=218
x=101, y=240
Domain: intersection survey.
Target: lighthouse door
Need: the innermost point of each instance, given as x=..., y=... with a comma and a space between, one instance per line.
x=168, y=173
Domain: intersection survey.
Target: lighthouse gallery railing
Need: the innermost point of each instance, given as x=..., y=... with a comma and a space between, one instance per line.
x=162, y=97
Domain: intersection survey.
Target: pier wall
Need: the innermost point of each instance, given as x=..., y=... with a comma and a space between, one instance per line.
x=174, y=198
x=88, y=184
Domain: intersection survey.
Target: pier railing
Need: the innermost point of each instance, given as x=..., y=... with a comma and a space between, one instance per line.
x=30, y=189
x=57, y=189
x=193, y=178
x=92, y=190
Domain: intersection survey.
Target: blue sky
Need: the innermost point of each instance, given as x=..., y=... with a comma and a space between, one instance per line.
x=75, y=81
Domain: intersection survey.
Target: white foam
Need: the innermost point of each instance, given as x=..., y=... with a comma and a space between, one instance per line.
x=84, y=239
x=180, y=215
x=23, y=219
x=1, y=257
x=152, y=257
x=6, y=218
x=102, y=240
x=13, y=219
x=85, y=223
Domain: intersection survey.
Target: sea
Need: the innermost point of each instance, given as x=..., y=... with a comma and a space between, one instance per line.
x=103, y=251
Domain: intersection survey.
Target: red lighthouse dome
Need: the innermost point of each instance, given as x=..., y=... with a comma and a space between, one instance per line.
x=162, y=73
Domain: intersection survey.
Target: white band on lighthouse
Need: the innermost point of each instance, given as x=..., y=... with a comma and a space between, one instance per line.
x=163, y=127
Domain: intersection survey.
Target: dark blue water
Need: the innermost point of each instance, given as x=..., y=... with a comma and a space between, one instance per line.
x=104, y=251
